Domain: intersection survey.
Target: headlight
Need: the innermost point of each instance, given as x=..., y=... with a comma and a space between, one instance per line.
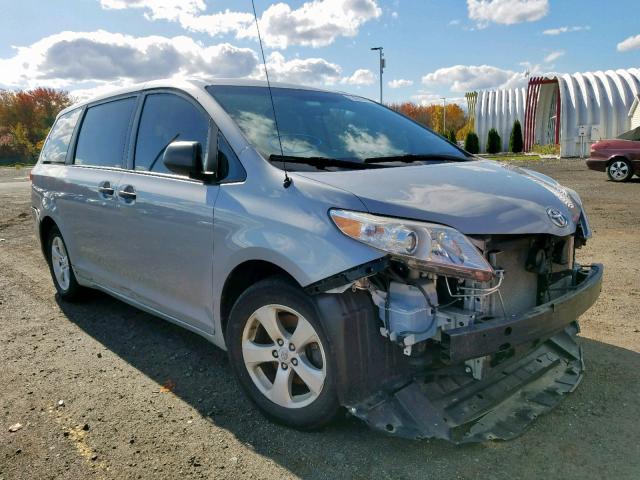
x=426, y=246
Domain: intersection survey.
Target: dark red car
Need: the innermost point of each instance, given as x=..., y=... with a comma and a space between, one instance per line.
x=620, y=158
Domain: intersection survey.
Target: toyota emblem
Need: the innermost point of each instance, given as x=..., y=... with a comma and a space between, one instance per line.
x=557, y=217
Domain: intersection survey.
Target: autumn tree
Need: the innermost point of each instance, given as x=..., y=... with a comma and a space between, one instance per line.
x=25, y=119
x=432, y=116
x=414, y=111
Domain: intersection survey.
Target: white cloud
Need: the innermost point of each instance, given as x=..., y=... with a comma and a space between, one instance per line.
x=631, y=43
x=553, y=56
x=399, y=83
x=454, y=22
x=158, y=9
x=424, y=97
x=464, y=78
x=506, y=12
x=361, y=76
x=315, y=23
x=566, y=29
x=91, y=63
x=70, y=58
x=307, y=71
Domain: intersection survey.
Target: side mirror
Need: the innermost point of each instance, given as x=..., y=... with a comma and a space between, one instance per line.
x=183, y=158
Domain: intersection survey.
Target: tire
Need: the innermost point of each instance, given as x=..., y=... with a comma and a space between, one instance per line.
x=306, y=396
x=60, y=267
x=620, y=170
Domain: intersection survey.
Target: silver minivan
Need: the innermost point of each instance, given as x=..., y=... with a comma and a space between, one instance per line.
x=349, y=259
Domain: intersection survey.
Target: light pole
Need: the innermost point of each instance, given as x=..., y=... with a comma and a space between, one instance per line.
x=382, y=65
x=444, y=115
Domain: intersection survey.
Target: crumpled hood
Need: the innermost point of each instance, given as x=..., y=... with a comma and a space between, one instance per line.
x=475, y=197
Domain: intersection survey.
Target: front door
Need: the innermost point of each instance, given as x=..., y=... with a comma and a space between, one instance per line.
x=166, y=221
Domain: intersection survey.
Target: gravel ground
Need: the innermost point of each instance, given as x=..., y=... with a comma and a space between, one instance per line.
x=106, y=391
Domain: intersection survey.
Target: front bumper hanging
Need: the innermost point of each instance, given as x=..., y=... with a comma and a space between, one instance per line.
x=535, y=362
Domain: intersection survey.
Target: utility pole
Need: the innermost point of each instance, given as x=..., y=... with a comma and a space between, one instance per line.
x=383, y=64
x=444, y=115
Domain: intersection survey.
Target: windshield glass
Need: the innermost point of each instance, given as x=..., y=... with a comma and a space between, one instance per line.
x=329, y=125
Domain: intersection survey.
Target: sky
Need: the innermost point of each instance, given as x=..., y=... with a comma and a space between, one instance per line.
x=433, y=48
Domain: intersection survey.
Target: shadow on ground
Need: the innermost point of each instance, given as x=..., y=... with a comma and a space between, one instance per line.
x=594, y=430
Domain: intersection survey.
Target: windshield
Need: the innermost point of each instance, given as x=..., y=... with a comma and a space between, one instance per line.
x=326, y=125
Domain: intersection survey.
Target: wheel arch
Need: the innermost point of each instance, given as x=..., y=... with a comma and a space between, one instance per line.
x=618, y=156
x=46, y=225
x=240, y=279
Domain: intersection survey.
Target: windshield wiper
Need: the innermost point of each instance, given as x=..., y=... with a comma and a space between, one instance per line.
x=322, y=162
x=416, y=157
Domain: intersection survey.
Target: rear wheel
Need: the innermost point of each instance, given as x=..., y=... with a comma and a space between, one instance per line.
x=60, y=267
x=280, y=354
x=620, y=170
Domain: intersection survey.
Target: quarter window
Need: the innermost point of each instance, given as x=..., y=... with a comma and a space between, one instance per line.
x=103, y=135
x=167, y=118
x=55, y=150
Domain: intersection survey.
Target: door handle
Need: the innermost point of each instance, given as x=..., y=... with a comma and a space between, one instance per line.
x=105, y=188
x=127, y=192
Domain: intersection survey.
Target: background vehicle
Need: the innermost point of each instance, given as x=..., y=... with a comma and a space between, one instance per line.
x=620, y=157
x=349, y=257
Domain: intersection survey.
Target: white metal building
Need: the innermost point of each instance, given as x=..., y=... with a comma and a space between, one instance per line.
x=634, y=113
x=498, y=109
x=572, y=110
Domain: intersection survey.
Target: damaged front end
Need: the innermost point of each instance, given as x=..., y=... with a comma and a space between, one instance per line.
x=426, y=352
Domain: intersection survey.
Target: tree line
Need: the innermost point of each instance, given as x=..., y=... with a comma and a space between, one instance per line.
x=25, y=119
x=454, y=127
x=458, y=126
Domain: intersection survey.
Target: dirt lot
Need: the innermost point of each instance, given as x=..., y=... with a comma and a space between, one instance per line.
x=104, y=390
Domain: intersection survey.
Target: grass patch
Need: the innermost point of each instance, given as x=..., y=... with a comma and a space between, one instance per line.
x=512, y=157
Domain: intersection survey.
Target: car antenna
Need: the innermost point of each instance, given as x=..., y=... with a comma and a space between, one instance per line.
x=287, y=178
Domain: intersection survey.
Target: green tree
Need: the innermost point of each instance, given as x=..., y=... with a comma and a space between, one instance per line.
x=472, y=143
x=494, y=142
x=516, y=145
x=452, y=136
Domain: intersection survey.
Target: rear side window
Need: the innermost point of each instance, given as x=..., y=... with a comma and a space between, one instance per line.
x=167, y=118
x=103, y=135
x=55, y=150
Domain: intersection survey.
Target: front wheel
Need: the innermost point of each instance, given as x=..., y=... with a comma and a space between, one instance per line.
x=281, y=356
x=620, y=170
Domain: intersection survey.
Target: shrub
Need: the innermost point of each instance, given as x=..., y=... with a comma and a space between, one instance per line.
x=516, y=145
x=494, y=142
x=452, y=136
x=472, y=143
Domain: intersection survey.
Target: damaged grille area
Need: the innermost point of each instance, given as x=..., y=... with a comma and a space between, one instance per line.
x=465, y=360
x=417, y=307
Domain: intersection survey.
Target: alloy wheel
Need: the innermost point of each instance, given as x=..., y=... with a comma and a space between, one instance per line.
x=284, y=356
x=619, y=170
x=60, y=263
